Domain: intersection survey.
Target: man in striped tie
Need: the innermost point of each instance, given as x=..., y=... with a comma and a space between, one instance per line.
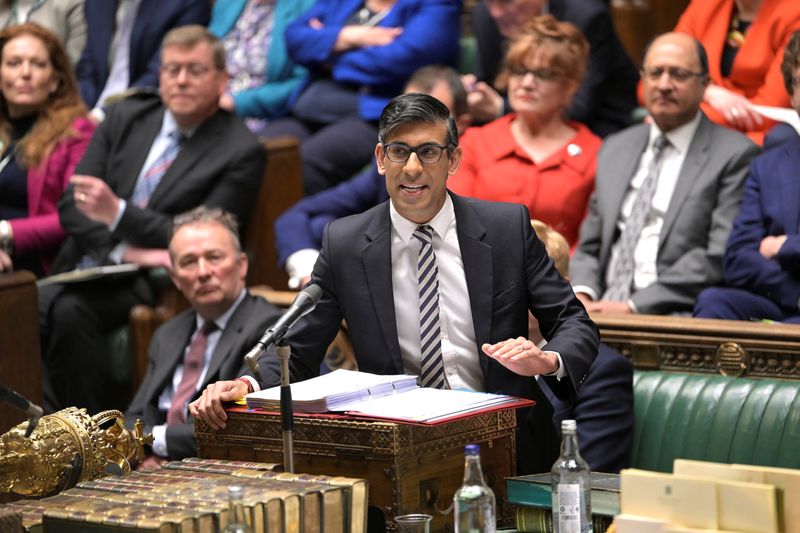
x=154, y=156
x=440, y=286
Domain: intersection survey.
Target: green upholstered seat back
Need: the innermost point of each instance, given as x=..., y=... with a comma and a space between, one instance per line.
x=714, y=418
x=468, y=59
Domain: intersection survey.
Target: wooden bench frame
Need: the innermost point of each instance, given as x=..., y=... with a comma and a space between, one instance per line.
x=686, y=344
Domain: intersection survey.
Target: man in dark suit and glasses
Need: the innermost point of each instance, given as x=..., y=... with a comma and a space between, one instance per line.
x=433, y=284
x=205, y=343
x=152, y=158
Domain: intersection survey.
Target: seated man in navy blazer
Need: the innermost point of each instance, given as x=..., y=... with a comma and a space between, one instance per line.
x=603, y=407
x=154, y=156
x=205, y=343
x=761, y=263
x=440, y=286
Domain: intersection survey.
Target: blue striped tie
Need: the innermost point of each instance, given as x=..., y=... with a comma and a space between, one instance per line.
x=152, y=177
x=432, y=369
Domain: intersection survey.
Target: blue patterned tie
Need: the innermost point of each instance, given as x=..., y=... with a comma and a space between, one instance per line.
x=622, y=269
x=432, y=369
x=152, y=177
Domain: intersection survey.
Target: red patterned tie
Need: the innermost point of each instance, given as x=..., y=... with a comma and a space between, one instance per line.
x=192, y=368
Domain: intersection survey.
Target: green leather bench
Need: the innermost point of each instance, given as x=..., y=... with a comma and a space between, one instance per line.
x=714, y=418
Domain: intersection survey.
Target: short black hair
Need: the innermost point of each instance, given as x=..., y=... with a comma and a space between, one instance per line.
x=416, y=108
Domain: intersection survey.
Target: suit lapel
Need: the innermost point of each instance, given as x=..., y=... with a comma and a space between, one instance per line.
x=230, y=338
x=478, y=271
x=36, y=177
x=790, y=188
x=170, y=356
x=689, y=174
x=150, y=127
x=377, y=258
x=192, y=151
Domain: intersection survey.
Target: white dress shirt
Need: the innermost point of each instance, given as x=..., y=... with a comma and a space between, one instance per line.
x=165, y=398
x=462, y=369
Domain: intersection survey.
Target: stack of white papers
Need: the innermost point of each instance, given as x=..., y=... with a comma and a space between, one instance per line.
x=388, y=397
x=329, y=391
x=427, y=405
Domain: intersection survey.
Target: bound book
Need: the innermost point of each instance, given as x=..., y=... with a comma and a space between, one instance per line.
x=536, y=491
x=385, y=397
x=540, y=520
x=185, y=496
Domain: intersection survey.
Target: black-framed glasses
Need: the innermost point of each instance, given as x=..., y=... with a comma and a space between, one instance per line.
x=675, y=73
x=539, y=74
x=427, y=154
x=193, y=70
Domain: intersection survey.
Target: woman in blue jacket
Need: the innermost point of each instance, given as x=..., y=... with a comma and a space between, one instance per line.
x=359, y=54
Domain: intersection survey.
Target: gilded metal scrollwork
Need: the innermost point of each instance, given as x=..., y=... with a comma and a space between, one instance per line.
x=67, y=447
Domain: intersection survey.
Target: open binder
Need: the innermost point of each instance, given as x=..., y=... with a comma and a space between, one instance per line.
x=395, y=397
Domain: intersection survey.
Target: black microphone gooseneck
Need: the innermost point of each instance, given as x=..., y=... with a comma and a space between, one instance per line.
x=33, y=411
x=304, y=302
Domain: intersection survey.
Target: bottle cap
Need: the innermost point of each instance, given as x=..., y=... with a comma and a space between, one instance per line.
x=472, y=449
x=568, y=425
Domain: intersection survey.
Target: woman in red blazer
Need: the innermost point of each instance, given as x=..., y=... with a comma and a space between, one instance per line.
x=43, y=134
x=744, y=40
x=535, y=156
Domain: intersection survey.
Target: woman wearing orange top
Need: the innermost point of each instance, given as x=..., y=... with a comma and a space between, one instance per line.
x=744, y=40
x=534, y=155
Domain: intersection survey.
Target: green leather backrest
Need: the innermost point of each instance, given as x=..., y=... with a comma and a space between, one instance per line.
x=468, y=59
x=714, y=418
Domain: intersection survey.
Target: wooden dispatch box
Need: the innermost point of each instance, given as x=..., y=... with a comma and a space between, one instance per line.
x=410, y=468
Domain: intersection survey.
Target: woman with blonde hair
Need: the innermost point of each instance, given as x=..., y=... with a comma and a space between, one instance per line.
x=535, y=156
x=43, y=134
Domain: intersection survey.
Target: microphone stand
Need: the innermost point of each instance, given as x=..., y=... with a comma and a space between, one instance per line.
x=287, y=411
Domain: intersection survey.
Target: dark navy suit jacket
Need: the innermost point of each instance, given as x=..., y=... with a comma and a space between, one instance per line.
x=245, y=327
x=154, y=19
x=301, y=226
x=770, y=206
x=508, y=273
x=603, y=411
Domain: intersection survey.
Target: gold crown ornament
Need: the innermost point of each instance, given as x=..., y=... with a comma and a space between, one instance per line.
x=68, y=447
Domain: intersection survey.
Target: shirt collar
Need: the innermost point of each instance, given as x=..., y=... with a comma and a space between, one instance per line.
x=222, y=320
x=680, y=138
x=169, y=126
x=440, y=223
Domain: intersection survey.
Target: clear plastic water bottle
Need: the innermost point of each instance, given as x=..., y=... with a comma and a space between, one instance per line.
x=571, y=485
x=474, y=500
x=237, y=523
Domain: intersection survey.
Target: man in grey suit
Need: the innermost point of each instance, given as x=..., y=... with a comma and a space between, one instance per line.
x=665, y=195
x=151, y=159
x=209, y=268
